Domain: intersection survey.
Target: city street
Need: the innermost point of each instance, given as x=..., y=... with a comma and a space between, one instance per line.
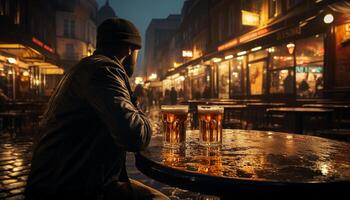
x=244, y=98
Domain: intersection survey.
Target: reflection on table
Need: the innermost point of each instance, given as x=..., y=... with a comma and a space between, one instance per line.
x=250, y=161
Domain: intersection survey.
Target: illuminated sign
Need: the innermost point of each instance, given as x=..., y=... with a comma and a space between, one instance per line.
x=250, y=18
x=311, y=69
x=187, y=54
x=43, y=45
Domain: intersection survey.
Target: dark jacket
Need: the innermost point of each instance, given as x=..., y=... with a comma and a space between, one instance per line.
x=91, y=121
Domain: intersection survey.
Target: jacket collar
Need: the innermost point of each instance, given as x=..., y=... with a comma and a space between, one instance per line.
x=111, y=57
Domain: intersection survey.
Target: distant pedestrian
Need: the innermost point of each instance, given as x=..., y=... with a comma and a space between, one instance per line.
x=173, y=96
x=288, y=83
x=304, y=87
x=150, y=97
x=166, y=99
x=141, y=96
x=3, y=97
x=206, y=92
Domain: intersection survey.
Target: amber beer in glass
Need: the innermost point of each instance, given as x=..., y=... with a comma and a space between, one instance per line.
x=210, y=124
x=174, y=124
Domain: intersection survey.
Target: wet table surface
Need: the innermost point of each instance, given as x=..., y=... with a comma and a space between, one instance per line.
x=335, y=106
x=299, y=109
x=246, y=157
x=266, y=104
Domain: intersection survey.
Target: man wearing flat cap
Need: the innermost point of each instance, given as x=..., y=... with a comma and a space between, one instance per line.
x=91, y=122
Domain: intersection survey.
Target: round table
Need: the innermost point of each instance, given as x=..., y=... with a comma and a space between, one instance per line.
x=300, y=112
x=251, y=163
x=331, y=106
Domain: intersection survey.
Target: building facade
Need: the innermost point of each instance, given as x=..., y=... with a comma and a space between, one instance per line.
x=75, y=30
x=190, y=42
x=158, y=42
x=28, y=59
x=269, y=49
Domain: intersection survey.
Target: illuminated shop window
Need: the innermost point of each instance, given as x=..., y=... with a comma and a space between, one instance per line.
x=199, y=82
x=282, y=56
x=237, y=68
x=257, y=55
x=273, y=9
x=281, y=66
x=256, y=77
x=309, y=66
x=224, y=80
x=282, y=81
x=342, y=37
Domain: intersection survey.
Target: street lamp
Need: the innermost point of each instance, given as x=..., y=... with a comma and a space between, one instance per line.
x=329, y=18
x=12, y=60
x=290, y=47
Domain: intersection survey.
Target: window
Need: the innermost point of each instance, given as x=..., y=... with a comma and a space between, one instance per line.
x=66, y=28
x=342, y=75
x=282, y=56
x=221, y=27
x=72, y=28
x=252, y=5
x=199, y=81
x=231, y=20
x=70, y=51
x=282, y=69
x=257, y=55
x=224, y=80
x=273, y=11
x=282, y=81
x=256, y=77
x=309, y=66
x=69, y=28
x=18, y=13
x=2, y=7
x=237, y=67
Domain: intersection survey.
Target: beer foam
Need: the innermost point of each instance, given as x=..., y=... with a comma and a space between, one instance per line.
x=174, y=109
x=210, y=109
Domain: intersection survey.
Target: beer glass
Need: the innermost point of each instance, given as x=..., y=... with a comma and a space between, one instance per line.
x=210, y=124
x=174, y=124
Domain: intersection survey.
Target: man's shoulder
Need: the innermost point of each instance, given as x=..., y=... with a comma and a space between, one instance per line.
x=99, y=61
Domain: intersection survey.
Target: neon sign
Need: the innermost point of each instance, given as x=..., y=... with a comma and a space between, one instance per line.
x=43, y=45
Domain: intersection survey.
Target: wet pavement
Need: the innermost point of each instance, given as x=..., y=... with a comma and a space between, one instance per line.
x=15, y=157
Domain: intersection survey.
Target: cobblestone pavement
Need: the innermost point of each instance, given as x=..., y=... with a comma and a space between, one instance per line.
x=15, y=156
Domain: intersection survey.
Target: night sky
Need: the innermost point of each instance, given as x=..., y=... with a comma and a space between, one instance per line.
x=141, y=12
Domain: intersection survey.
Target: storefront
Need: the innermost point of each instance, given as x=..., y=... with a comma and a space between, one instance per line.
x=24, y=73
x=293, y=68
x=176, y=81
x=293, y=61
x=303, y=55
x=199, y=82
x=224, y=80
x=339, y=84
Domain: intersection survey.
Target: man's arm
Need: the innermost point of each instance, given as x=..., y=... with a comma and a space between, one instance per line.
x=109, y=96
